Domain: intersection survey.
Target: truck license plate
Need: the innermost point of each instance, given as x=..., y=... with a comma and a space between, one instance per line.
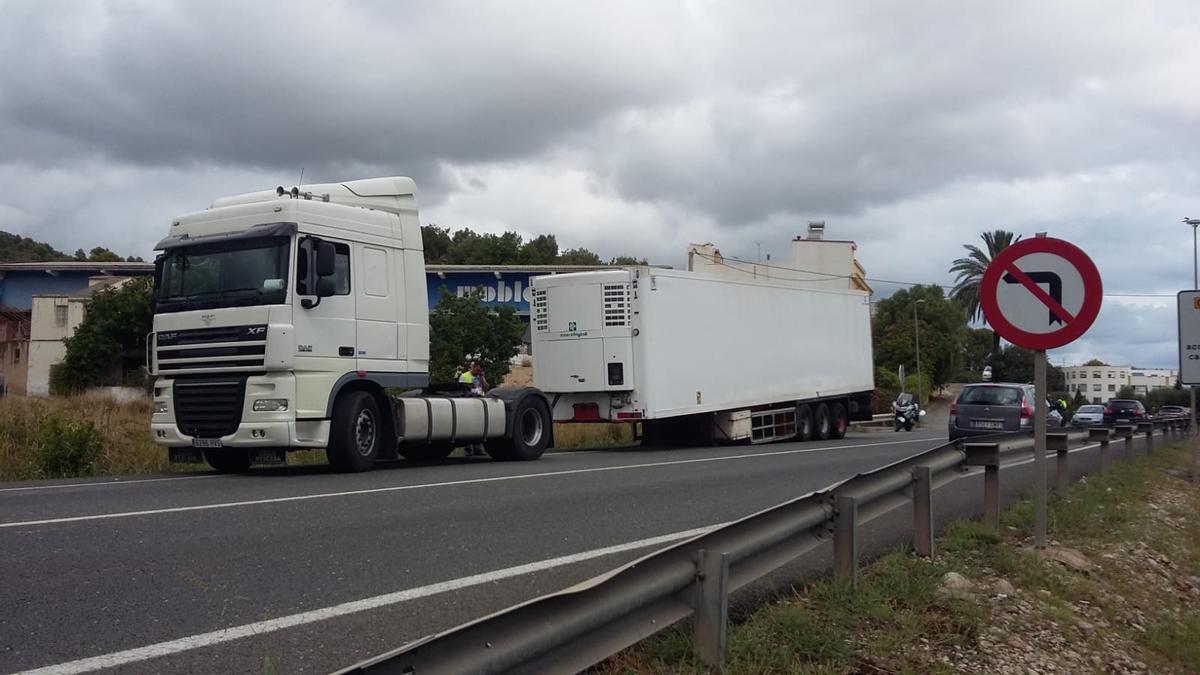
x=206, y=442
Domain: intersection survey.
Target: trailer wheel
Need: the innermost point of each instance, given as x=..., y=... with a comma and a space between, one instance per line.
x=822, y=422
x=355, y=432
x=804, y=422
x=839, y=420
x=228, y=461
x=530, y=432
x=427, y=451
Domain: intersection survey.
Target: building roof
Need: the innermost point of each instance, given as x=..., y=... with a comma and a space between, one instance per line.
x=77, y=266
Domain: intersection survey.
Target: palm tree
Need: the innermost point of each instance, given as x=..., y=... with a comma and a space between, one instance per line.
x=970, y=274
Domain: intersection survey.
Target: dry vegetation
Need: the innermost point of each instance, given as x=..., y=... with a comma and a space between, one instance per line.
x=76, y=436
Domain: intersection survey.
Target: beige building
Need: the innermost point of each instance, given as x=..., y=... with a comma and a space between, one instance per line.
x=1100, y=384
x=815, y=261
x=53, y=318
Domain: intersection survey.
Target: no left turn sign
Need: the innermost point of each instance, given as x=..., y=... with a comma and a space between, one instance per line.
x=1041, y=293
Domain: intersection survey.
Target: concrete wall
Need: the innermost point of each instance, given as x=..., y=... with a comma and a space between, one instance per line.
x=46, y=333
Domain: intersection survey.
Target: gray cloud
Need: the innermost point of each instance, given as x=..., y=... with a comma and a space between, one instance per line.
x=630, y=127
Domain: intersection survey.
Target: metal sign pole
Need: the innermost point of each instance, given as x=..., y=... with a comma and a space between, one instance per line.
x=1039, y=448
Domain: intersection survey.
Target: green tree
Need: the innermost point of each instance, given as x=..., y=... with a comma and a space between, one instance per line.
x=579, y=256
x=969, y=271
x=436, y=241
x=1095, y=362
x=464, y=329
x=977, y=348
x=942, y=331
x=1126, y=392
x=15, y=248
x=627, y=260
x=1015, y=364
x=80, y=256
x=101, y=254
x=541, y=250
x=110, y=340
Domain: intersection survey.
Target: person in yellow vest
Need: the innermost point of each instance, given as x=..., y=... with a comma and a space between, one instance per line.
x=478, y=384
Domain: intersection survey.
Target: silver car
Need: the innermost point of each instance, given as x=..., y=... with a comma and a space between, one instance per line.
x=1088, y=415
x=996, y=408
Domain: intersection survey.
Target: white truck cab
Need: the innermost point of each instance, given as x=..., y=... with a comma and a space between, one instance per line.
x=289, y=319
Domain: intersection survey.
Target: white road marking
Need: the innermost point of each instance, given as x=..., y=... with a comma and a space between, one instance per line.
x=191, y=642
x=114, y=481
x=420, y=486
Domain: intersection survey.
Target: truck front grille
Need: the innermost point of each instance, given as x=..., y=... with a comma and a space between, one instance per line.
x=209, y=408
x=200, y=350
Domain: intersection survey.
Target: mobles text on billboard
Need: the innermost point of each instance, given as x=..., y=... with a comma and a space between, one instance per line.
x=501, y=291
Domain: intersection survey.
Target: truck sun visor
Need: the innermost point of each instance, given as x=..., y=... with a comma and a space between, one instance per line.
x=258, y=231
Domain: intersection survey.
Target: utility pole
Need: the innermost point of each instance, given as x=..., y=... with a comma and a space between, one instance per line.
x=917, y=337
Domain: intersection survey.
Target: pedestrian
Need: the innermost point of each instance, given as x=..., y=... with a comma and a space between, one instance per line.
x=478, y=385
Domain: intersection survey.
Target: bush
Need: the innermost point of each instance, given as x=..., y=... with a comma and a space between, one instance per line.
x=69, y=447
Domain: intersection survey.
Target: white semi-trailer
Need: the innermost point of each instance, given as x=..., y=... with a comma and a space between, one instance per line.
x=291, y=319
x=690, y=356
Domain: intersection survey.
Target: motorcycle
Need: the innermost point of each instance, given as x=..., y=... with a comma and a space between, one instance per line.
x=906, y=411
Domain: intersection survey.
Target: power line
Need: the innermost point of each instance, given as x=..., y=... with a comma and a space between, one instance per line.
x=830, y=276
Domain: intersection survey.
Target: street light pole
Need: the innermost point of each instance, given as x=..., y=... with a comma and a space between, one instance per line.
x=1194, y=222
x=917, y=336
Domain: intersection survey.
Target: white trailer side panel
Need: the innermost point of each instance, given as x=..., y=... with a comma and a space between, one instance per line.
x=699, y=343
x=707, y=343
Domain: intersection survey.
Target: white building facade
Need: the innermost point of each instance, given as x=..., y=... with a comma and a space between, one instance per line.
x=1100, y=384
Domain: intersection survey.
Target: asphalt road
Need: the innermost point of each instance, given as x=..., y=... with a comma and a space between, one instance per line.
x=303, y=570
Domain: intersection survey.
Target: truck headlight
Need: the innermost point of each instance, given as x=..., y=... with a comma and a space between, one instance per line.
x=160, y=407
x=270, y=405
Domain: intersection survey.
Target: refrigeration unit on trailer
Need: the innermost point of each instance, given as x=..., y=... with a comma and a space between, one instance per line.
x=691, y=356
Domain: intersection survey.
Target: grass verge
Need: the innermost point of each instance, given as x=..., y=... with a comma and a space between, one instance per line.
x=1117, y=590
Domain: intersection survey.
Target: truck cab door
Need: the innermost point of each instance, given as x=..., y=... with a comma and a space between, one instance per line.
x=326, y=336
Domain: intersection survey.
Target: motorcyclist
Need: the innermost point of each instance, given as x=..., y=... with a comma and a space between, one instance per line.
x=907, y=406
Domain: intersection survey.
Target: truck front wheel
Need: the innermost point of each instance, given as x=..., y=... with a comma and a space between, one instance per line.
x=530, y=432
x=228, y=461
x=355, y=432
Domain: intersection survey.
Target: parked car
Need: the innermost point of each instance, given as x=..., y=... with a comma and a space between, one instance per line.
x=1174, y=411
x=1088, y=415
x=997, y=407
x=1124, y=411
x=987, y=374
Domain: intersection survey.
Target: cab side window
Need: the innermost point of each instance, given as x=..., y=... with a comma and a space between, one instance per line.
x=305, y=278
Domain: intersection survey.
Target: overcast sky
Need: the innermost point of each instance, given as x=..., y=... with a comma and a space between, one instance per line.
x=635, y=127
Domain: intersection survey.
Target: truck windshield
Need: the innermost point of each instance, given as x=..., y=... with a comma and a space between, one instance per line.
x=234, y=273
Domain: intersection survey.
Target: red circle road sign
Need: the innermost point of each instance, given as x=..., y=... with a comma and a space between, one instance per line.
x=1041, y=293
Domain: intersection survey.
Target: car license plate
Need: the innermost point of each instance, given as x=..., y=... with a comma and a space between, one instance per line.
x=987, y=424
x=206, y=443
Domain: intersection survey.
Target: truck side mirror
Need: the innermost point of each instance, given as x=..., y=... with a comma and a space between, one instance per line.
x=325, y=287
x=326, y=259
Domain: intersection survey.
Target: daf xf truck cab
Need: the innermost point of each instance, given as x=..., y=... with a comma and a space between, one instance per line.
x=298, y=319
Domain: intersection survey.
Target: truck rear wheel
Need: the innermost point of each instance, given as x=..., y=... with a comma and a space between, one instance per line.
x=355, y=432
x=822, y=422
x=228, y=461
x=839, y=420
x=530, y=432
x=804, y=422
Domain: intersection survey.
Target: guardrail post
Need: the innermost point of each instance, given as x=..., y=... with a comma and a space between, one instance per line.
x=711, y=618
x=1059, y=444
x=1148, y=429
x=923, y=511
x=987, y=455
x=1102, y=435
x=845, y=540
x=1126, y=431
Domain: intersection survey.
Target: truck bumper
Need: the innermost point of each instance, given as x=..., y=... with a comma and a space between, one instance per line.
x=256, y=429
x=297, y=434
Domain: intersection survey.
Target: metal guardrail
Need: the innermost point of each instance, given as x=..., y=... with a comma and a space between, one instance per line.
x=583, y=625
